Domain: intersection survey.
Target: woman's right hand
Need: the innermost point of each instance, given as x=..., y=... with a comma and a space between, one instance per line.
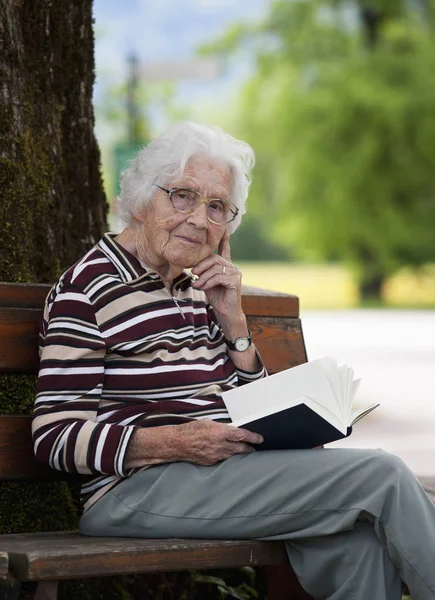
x=204, y=442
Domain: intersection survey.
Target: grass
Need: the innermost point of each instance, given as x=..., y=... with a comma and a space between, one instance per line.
x=332, y=286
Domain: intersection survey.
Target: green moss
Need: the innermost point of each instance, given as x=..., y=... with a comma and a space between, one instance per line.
x=17, y=394
x=45, y=506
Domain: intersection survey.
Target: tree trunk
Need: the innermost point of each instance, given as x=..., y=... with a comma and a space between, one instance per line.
x=52, y=205
x=371, y=287
x=372, y=275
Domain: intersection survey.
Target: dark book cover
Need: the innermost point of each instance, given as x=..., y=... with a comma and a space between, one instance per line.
x=294, y=428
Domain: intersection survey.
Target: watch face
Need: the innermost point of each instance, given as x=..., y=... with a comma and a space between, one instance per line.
x=242, y=344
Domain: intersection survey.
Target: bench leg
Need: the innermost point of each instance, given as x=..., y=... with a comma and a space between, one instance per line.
x=282, y=584
x=46, y=590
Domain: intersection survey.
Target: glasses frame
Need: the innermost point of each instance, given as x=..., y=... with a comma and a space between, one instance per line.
x=202, y=200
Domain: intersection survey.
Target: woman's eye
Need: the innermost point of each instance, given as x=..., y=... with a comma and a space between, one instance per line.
x=217, y=206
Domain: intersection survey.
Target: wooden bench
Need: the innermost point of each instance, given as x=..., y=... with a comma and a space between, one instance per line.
x=50, y=557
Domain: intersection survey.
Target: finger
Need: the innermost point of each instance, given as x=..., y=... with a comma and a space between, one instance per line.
x=241, y=434
x=207, y=263
x=215, y=271
x=224, y=248
x=213, y=282
x=241, y=448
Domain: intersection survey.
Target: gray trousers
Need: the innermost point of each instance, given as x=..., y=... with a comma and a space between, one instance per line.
x=355, y=522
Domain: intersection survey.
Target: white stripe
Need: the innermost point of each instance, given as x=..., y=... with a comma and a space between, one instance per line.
x=99, y=284
x=60, y=445
x=104, y=417
x=122, y=451
x=80, y=263
x=82, y=267
x=140, y=319
x=57, y=398
x=212, y=416
x=195, y=401
x=151, y=315
x=74, y=326
x=71, y=371
x=167, y=335
x=100, y=445
x=39, y=440
x=166, y=369
x=107, y=250
x=130, y=419
x=72, y=296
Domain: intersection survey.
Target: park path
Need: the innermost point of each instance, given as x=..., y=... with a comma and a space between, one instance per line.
x=393, y=351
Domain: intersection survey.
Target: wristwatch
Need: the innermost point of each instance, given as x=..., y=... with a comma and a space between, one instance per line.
x=241, y=343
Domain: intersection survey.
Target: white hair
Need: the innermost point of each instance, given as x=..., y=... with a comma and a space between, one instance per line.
x=165, y=158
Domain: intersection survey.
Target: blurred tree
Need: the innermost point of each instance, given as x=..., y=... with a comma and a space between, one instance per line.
x=341, y=113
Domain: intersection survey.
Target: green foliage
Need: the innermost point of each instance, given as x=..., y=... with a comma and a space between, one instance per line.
x=341, y=113
x=250, y=242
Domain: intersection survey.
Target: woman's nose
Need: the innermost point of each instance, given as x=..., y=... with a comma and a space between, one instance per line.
x=198, y=217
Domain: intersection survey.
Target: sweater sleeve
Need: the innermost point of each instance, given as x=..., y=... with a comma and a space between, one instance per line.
x=66, y=432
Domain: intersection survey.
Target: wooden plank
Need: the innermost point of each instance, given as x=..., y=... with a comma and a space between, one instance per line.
x=256, y=301
x=17, y=460
x=52, y=556
x=23, y=295
x=4, y=564
x=19, y=328
x=279, y=340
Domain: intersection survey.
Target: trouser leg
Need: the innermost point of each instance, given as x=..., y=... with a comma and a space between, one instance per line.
x=294, y=495
x=352, y=565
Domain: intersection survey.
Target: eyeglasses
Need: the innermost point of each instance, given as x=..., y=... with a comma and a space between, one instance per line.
x=187, y=201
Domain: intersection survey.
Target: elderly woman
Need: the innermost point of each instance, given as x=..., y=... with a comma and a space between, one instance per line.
x=135, y=352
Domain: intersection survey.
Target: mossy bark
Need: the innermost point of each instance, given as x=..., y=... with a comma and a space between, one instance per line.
x=52, y=204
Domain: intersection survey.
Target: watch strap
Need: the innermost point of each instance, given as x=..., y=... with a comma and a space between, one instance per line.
x=232, y=345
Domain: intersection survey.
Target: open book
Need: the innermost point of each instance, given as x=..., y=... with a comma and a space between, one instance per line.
x=302, y=407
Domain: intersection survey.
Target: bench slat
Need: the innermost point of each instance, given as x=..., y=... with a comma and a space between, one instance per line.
x=23, y=295
x=17, y=460
x=256, y=301
x=69, y=555
x=279, y=339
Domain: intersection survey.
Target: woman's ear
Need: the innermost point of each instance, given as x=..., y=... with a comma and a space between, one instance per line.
x=139, y=214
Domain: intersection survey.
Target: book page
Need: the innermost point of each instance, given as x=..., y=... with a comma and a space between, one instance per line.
x=360, y=413
x=308, y=379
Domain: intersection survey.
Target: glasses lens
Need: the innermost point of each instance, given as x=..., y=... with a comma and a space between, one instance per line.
x=218, y=210
x=185, y=200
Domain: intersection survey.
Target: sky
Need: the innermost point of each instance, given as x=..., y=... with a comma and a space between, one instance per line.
x=170, y=30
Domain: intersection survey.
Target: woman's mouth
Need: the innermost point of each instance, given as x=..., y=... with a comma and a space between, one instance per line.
x=188, y=240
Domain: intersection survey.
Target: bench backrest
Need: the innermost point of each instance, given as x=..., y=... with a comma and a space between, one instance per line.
x=273, y=319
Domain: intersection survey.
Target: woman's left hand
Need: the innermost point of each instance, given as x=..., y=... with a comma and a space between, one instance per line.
x=221, y=280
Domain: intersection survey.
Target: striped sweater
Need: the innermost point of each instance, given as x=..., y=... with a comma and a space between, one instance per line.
x=119, y=352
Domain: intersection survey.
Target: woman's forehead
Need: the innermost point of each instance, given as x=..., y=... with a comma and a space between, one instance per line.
x=205, y=171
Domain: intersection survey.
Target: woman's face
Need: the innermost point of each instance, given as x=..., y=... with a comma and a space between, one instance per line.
x=169, y=239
